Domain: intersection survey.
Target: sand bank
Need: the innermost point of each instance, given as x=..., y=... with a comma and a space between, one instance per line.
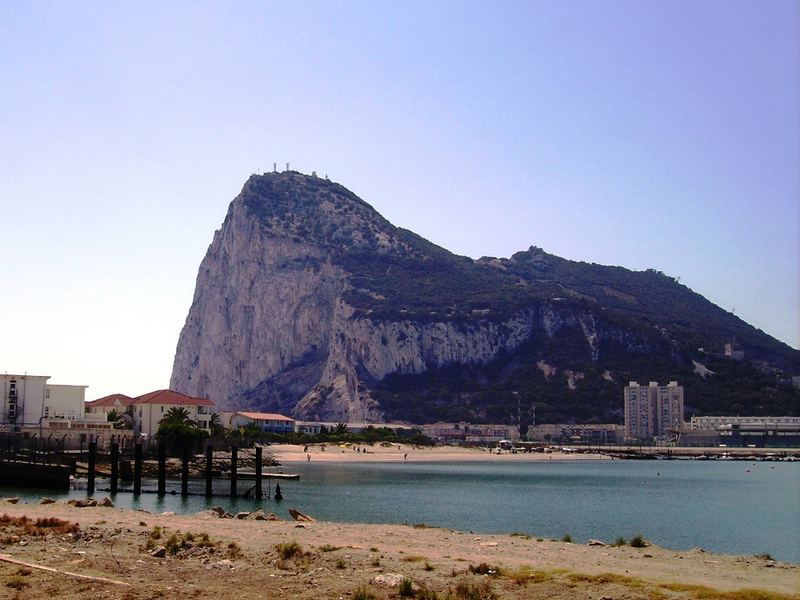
x=287, y=453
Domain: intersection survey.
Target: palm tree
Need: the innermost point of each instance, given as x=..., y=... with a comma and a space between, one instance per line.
x=177, y=415
x=215, y=424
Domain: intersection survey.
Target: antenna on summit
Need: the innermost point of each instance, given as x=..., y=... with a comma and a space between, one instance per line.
x=287, y=167
x=274, y=167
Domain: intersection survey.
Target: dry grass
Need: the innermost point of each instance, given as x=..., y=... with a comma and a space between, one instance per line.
x=482, y=590
x=701, y=592
x=525, y=575
x=605, y=578
x=693, y=591
x=25, y=526
x=412, y=558
x=289, y=550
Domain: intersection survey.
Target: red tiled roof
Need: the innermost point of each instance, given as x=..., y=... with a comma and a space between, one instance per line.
x=170, y=397
x=111, y=400
x=257, y=416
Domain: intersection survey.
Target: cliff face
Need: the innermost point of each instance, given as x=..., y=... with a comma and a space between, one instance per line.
x=309, y=302
x=269, y=302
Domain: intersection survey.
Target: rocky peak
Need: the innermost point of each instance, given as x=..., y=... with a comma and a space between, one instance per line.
x=318, y=211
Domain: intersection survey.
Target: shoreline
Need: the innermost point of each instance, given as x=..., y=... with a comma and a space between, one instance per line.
x=336, y=558
x=393, y=452
x=398, y=453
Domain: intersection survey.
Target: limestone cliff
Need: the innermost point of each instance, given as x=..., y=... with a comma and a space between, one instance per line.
x=309, y=302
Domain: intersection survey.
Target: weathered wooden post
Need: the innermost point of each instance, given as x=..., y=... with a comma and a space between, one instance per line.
x=259, y=490
x=185, y=470
x=234, y=457
x=91, y=467
x=114, y=467
x=162, y=468
x=137, y=468
x=209, y=465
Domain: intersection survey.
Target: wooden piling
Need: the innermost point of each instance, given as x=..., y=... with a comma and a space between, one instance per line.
x=137, y=469
x=209, y=466
x=162, y=468
x=114, y=467
x=91, y=468
x=185, y=471
x=259, y=490
x=234, y=458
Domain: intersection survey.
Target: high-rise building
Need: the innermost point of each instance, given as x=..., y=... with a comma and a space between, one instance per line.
x=652, y=411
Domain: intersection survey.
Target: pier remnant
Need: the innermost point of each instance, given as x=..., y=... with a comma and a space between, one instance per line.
x=91, y=468
x=234, y=460
x=209, y=473
x=185, y=471
x=259, y=458
x=162, y=468
x=137, y=468
x=114, y=467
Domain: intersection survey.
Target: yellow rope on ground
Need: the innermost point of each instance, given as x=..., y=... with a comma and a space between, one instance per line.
x=7, y=558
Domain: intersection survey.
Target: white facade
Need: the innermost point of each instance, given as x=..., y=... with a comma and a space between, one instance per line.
x=652, y=411
x=146, y=417
x=23, y=400
x=65, y=401
x=149, y=409
x=266, y=422
x=315, y=427
x=712, y=423
x=27, y=400
x=33, y=406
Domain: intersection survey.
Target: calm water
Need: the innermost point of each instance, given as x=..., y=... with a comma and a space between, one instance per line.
x=731, y=507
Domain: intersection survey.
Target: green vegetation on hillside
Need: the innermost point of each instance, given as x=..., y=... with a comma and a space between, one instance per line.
x=515, y=387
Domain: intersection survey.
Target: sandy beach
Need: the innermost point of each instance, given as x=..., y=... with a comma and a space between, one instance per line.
x=288, y=453
x=107, y=553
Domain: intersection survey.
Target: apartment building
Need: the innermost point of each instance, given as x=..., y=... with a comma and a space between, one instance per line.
x=653, y=411
x=28, y=400
x=32, y=406
x=149, y=409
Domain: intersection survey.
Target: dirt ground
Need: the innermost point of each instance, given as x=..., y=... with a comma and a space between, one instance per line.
x=106, y=553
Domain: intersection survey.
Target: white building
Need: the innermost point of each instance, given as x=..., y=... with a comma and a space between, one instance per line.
x=653, y=411
x=476, y=433
x=27, y=400
x=266, y=422
x=118, y=403
x=149, y=409
x=316, y=427
x=32, y=406
x=713, y=423
x=581, y=433
x=23, y=400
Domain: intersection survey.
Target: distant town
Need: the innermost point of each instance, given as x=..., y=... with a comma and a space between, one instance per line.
x=654, y=416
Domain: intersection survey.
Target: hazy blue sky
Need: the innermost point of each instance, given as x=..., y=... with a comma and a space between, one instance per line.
x=634, y=133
